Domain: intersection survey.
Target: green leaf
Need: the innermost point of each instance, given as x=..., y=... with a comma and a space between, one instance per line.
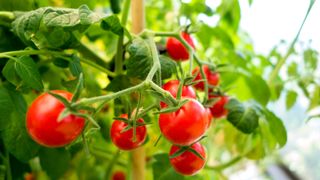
x=119, y=83
x=62, y=63
x=6, y=108
x=140, y=61
x=15, y=137
x=293, y=69
x=9, y=72
x=315, y=98
x=258, y=87
x=28, y=72
x=277, y=128
x=311, y=59
x=168, y=67
x=162, y=170
x=54, y=162
x=244, y=119
x=50, y=27
x=291, y=99
x=75, y=66
x=112, y=23
x=115, y=6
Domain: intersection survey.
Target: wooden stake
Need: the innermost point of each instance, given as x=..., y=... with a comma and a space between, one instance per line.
x=139, y=154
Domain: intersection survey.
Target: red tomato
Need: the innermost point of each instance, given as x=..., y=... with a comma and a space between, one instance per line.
x=124, y=140
x=209, y=116
x=186, y=125
x=175, y=48
x=172, y=87
x=188, y=163
x=43, y=125
x=218, y=110
x=118, y=175
x=29, y=176
x=212, y=77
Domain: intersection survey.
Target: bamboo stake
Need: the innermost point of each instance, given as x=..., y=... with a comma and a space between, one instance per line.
x=139, y=154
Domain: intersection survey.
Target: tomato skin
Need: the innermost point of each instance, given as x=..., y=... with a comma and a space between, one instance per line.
x=175, y=48
x=172, y=87
x=42, y=121
x=186, y=125
x=118, y=175
x=218, y=110
x=124, y=140
x=188, y=163
x=212, y=77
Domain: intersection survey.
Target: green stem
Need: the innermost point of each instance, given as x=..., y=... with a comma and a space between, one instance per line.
x=282, y=61
x=164, y=93
x=112, y=163
x=225, y=165
x=89, y=54
x=7, y=15
x=8, y=166
x=58, y=54
x=155, y=57
x=109, y=97
x=206, y=87
x=119, y=55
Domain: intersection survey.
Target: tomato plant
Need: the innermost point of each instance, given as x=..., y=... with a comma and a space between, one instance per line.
x=119, y=78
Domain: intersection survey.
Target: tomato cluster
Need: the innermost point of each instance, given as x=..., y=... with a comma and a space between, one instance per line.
x=184, y=127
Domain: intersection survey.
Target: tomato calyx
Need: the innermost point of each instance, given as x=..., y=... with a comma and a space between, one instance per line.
x=174, y=108
x=188, y=148
x=130, y=123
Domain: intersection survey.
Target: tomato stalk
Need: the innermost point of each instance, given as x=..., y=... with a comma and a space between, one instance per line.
x=112, y=163
x=206, y=87
x=119, y=55
x=282, y=61
x=225, y=165
x=57, y=54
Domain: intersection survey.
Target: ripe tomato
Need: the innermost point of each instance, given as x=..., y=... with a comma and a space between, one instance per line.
x=118, y=175
x=212, y=77
x=209, y=116
x=29, y=176
x=124, y=140
x=172, y=87
x=218, y=110
x=188, y=163
x=186, y=125
x=43, y=125
x=175, y=48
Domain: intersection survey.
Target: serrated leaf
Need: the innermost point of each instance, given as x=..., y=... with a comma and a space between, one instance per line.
x=168, y=67
x=112, y=23
x=140, y=61
x=15, y=137
x=119, y=83
x=9, y=72
x=54, y=161
x=51, y=27
x=75, y=66
x=244, y=119
x=6, y=108
x=27, y=70
x=291, y=99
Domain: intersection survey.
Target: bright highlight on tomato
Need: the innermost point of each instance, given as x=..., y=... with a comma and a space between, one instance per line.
x=175, y=48
x=186, y=125
x=188, y=163
x=42, y=121
x=124, y=140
